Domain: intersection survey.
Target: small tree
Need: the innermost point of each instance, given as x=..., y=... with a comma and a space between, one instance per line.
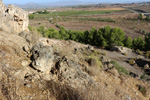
x=63, y=33
x=147, y=18
x=41, y=30
x=140, y=16
x=46, y=12
x=128, y=42
x=147, y=40
x=139, y=43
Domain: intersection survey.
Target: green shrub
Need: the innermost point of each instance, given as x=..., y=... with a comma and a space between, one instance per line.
x=128, y=42
x=140, y=16
x=139, y=43
x=147, y=41
x=31, y=16
x=43, y=12
x=147, y=18
x=120, y=68
x=51, y=20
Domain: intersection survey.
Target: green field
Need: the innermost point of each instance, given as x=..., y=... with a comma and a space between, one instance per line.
x=71, y=13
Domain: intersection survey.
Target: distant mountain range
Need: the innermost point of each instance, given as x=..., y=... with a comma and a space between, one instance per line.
x=63, y=3
x=54, y=4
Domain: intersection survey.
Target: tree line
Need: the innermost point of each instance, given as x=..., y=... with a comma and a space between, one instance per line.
x=106, y=37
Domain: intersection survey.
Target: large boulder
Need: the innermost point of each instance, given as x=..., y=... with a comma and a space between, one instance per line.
x=13, y=19
x=42, y=58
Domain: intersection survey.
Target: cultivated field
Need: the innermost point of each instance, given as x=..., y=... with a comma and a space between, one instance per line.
x=86, y=18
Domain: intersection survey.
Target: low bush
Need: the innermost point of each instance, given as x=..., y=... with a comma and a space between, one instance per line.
x=31, y=16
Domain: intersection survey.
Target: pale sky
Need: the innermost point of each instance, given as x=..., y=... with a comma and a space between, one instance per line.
x=49, y=1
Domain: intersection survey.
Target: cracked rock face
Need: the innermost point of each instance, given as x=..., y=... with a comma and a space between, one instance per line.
x=59, y=68
x=13, y=19
x=42, y=58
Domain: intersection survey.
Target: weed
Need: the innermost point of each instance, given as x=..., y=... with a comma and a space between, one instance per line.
x=104, y=53
x=139, y=52
x=142, y=89
x=131, y=61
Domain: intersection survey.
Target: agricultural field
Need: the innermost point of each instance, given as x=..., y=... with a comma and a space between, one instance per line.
x=86, y=18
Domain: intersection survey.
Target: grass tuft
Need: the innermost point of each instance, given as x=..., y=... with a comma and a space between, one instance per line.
x=120, y=68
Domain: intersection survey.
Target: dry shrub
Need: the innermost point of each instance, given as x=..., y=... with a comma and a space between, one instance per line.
x=65, y=92
x=8, y=88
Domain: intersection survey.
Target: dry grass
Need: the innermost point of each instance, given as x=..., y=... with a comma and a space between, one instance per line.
x=65, y=92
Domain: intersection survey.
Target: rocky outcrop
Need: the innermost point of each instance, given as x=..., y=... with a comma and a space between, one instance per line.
x=56, y=75
x=42, y=57
x=121, y=49
x=13, y=19
x=58, y=68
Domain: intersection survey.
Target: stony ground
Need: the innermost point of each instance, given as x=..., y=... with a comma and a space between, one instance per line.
x=70, y=65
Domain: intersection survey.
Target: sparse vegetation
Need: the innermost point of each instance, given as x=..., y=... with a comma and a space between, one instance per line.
x=120, y=68
x=142, y=89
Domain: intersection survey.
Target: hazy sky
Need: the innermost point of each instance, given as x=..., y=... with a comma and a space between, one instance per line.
x=49, y=1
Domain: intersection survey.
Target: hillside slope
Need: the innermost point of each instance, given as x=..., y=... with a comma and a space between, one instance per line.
x=37, y=68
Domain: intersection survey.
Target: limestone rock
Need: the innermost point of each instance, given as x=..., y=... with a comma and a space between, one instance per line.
x=13, y=19
x=92, y=62
x=121, y=49
x=42, y=58
x=70, y=71
x=146, y=66
x=24, y=63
